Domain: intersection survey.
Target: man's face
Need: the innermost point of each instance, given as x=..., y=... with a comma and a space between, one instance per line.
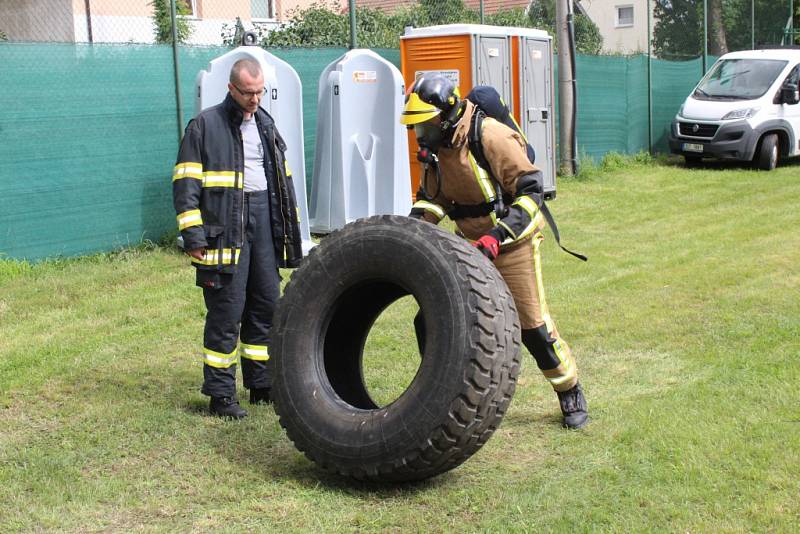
x=248, y=91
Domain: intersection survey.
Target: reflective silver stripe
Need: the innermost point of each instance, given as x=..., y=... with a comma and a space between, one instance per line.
x=254, y=352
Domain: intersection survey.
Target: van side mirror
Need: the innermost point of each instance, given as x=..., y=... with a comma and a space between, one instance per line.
x=790, y=93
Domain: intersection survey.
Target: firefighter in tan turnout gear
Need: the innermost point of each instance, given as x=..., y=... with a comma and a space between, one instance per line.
x=499, y=212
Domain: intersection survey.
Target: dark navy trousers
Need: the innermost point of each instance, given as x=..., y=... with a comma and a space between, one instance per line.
x=242, y=308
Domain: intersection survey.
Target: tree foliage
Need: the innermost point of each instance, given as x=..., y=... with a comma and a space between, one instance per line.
x=320, y=25
x=162, y=21
x=588, y=39
x=3, y=36
x=678, y=30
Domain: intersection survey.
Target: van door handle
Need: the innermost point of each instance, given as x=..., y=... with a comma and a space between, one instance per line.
x=545, y=115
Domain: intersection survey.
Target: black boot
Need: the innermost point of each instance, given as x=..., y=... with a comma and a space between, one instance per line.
x=259, y=396
x=573, y=406
x=226, y=407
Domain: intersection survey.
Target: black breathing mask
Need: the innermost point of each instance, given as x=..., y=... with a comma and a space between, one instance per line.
x=429, y=136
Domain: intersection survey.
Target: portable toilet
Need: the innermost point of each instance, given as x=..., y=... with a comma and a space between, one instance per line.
x=518, y=62
x=282, y=100
x=361, y=163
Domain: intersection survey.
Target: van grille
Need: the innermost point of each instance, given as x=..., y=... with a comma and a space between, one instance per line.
x=695, y=129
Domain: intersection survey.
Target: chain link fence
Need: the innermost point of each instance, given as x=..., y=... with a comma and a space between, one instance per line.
x=88, y=108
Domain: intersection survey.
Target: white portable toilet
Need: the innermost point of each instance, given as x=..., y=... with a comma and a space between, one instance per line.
x=361, y=165
x=283, y=100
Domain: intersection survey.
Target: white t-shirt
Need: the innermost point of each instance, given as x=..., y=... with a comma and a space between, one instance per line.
x=254, y=177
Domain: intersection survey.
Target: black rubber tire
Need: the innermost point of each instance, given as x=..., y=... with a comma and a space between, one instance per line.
x=467, y=374
x=768, y=153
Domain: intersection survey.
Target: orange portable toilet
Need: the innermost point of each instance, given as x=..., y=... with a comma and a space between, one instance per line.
x=518, y=62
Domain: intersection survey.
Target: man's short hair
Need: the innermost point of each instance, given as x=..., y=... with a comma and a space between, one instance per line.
x=252, y=67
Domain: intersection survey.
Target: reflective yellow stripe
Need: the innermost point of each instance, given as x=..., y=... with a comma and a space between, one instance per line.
x=511, y=233
x=484, y=182
x=188, y=170
x=218, y=359
x=537, y=269
x=430, y=207
x=532, y=228
x=570, y=374
x=288, y=170
x=220, y=179
x=189, y=218
x=519, y=130
x=254, y=352
x=528, y=205
x=212, y=257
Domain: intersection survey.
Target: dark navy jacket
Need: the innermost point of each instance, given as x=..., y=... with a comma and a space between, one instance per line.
x=208, y=194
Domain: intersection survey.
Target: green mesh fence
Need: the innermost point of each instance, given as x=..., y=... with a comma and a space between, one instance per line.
x=88, y=138
x=88, y=134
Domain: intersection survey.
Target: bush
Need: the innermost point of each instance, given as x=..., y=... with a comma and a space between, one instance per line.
x=321, y=25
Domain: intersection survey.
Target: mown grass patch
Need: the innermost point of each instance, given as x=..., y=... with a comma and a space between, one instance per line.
x=685, y=323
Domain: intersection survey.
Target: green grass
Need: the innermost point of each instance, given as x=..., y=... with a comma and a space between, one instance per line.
x=685, y=322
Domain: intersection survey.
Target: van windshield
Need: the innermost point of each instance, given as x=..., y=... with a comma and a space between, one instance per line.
x=739, y=79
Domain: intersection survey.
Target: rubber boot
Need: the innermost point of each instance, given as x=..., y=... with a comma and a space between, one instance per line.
x=260, y=396
x=227, y=407
x=573, y=406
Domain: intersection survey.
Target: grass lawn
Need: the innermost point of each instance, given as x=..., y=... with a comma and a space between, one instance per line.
x=685, y=323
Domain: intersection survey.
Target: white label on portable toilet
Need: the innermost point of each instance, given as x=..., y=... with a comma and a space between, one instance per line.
x=452, y=75
x=494, y=52
x=365, y=76
x=536, y=54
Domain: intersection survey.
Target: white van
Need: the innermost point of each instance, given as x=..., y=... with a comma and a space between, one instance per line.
x=746, y=108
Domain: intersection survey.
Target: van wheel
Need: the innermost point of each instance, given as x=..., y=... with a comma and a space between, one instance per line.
x=468, y=370
x=767, y=158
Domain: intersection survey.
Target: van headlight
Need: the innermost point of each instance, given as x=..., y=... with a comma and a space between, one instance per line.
x=745, y=113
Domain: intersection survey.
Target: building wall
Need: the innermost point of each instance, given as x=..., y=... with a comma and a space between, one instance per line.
x=37, y=20
x=625, y=40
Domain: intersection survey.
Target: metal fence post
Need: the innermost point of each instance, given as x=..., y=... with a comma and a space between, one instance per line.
x=481, y=4
x=649, y=83
x=705, y=35
x=178, y=101
x=752, y=24
x=353, y=42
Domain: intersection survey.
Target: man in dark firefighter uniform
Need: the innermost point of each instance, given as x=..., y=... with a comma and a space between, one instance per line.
x=234, y=197
x=499, y=212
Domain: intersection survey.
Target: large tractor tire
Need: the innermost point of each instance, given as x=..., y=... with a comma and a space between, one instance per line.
x=468, y=370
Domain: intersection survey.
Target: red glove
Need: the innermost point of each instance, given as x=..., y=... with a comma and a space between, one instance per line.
x=489, y=245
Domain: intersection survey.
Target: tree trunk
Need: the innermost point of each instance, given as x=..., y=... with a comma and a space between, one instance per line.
x=718, y=44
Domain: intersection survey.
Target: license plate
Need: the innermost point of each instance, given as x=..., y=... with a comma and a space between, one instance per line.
x=692, y=147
